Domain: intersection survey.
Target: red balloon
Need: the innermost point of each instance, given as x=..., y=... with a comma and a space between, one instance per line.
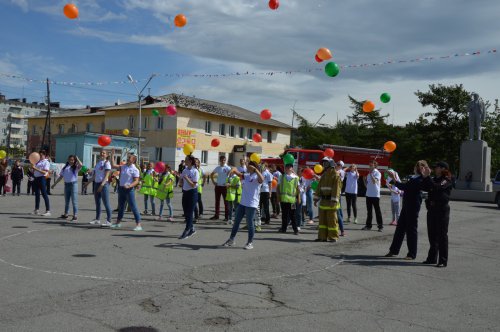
x=160, y=167
x=329, y=153
x=308, y=174
x=274, y=4
x=318, y=59
x=257, y=137
x=265, y=114
x=104, y=140
x=215, y=142
x=171, y=110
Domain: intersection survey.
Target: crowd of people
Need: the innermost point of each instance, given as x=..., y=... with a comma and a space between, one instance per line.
x=259, y=192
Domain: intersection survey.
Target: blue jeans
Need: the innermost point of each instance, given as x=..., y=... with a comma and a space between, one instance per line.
x=309, y=204
x=152, y=200
x=40, y=185
x=189, y=201
x=104, y=196
x=127, y=195
x=240, y=212
x=170, y=208
x=340, y=215
x=71, y=191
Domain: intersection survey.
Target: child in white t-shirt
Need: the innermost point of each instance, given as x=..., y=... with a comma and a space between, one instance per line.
x=396, y=194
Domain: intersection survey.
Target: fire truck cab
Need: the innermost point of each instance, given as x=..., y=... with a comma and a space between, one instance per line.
x=361, y=157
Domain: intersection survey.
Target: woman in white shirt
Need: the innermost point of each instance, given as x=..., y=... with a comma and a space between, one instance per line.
x=351, y=192
x=129, y=179
x=70, y=175
x=189, y=183
x=41, y=169
x=249, y=202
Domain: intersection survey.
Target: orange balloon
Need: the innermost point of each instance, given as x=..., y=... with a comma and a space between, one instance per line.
x=390, y=146
x=368, y=106
x=274, y=183
x=180, y=21
x=71, y=11
x=324, y=54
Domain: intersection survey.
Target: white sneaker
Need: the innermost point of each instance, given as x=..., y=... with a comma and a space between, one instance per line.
x=95, y=222
x=46, y=214
x=355, y=220
x=138, y=228
x=106, y=224
x=35, y=212
x=249, y=246
x=228, y=243
x=298, y=228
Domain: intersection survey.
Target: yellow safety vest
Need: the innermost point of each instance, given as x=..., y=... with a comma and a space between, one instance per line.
x=147, y=187
x=288, y=189
x=232, y=190
x=164, y=190
x=200, y=181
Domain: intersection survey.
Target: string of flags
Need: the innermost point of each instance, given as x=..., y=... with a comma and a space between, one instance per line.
x=256, y=73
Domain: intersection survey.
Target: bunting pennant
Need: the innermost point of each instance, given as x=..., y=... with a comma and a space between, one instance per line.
x=253, y=73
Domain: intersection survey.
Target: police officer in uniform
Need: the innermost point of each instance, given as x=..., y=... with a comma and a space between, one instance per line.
x=438, y=212
x=328, y=195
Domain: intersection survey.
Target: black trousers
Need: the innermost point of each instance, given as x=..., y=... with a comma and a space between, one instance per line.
x=275, y=204
x=375, y=203
x=438, y=219
x=407, y=225
x=3, y=182
x=30, y=188
x=198, y=208
x=264, y=207
x=16, y=185
x=351, y=201
x=287, y=215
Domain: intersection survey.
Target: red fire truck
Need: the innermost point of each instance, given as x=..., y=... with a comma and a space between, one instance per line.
x=349, y=155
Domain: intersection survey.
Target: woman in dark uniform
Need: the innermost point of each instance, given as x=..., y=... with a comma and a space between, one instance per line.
x=408, y=219
x=438, y=212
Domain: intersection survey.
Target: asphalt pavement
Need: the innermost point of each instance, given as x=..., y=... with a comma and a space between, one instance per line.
x=61, y=276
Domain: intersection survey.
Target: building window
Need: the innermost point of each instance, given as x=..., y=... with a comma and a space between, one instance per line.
x=61, y=129
x=131, y=122
x=232, y=130
x=145, y=124
x=222, y=129
x=242, y=132
x=89, y=127
x=259, y=131
x=204, y=157
x=159, y=123
x=158, y=154
x=208, y=127
x=250, y=133
x=74, y=128
x=33, y=130
x=269, y=136
x=103, y=127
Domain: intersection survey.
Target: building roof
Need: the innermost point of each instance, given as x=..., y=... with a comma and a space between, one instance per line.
x=71, y=113
x=202, y=105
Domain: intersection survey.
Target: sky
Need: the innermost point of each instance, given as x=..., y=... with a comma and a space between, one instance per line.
x=114, y=38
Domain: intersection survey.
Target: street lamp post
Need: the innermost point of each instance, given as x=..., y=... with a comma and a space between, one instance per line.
x=139, y=98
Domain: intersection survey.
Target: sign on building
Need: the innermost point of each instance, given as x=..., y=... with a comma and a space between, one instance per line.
x=186, y=136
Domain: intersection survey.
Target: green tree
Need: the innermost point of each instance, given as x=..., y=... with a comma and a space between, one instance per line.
x=491, y=134
x=448, y=124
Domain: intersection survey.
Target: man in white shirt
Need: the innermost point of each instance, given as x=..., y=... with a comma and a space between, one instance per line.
x=222, y=172
x=351, y=192
x=265, y=195
x=372, y=181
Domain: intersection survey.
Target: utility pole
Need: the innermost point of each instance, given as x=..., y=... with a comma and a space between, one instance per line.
x=47, y=128
x=292, y=143
x=322, y=118
x=293, y=111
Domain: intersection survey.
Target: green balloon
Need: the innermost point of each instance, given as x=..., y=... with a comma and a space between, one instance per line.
x=84, y=169
x=288, y=159
x=385, y=98
x=314, y=185
x=156, y=112
x=332, y=69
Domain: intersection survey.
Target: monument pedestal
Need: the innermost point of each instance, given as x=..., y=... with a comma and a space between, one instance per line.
x=475, y=157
